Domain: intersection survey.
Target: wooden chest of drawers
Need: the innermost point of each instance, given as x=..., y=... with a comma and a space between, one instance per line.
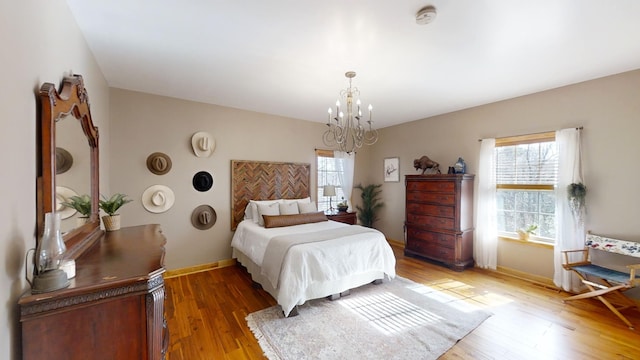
x=439, y=218
x=113, y=309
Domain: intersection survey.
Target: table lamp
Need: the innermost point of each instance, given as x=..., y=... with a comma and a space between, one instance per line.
x=329, y=190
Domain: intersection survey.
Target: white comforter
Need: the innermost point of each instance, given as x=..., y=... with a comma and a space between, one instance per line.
x=319, y=264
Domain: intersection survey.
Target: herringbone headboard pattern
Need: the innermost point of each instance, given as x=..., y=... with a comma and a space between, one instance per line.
x=265, y=180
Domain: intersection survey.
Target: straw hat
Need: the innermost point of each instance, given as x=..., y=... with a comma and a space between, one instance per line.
x=203, y=217
x=158, y=198
x=202, y=181
x=203, y=144
x=159, y=163
x=64, y=160
x=62, y=195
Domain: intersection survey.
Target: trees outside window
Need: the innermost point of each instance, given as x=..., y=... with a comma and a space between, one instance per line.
x=526, y=176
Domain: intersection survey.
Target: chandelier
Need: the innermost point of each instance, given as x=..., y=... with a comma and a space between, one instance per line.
x=345, y=131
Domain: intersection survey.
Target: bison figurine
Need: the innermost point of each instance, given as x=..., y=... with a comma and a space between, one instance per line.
x=425, y=163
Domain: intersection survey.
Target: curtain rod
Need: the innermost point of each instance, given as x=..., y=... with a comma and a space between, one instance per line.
x=542, y=132
x=348, y=152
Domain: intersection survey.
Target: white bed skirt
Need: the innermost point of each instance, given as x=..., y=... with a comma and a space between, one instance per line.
x=314, y=291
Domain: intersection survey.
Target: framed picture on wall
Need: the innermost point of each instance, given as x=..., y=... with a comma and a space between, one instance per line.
x=391, y=169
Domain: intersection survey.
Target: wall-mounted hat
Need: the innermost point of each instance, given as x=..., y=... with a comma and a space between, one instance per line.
x=64, y=160
x=203, y=144
x=203, y=217
x=62, y=195
x=202, y=181
x=159, y=163
x=158, y=198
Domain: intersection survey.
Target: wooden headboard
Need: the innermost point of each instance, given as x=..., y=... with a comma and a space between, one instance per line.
x=265, y=180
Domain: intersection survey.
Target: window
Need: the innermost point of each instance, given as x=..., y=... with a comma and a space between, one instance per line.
x=329, y=173
x=526, y=176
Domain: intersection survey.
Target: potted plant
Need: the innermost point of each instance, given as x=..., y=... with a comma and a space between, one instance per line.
x=110, y=206
x=367, y=213
x=82, y=204
x=577, y=193
x=525, y=232
x=342, y=206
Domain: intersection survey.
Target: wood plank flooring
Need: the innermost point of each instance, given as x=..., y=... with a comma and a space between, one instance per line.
x=206, y=317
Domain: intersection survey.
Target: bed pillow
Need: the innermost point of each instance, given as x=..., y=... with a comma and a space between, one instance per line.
x=296, y=201
x=307, y=208
x=254, y=208
x=248, y=215
x=296, y=219
x=267, y=209
x=289, y=208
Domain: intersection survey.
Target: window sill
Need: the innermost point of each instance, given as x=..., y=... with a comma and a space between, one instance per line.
x=527, y=242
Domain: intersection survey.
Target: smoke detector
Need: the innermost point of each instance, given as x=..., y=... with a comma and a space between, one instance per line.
x=426, y=15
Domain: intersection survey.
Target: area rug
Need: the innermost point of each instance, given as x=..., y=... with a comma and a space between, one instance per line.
x=398, y=319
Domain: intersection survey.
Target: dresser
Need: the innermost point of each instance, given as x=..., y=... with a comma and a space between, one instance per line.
x=113, y=309
x=342, y=216
x=439, y=218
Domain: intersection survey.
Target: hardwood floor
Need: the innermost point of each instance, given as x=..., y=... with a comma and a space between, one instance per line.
x=206, y=317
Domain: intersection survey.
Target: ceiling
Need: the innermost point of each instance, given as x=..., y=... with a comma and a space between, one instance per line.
x=288, y=57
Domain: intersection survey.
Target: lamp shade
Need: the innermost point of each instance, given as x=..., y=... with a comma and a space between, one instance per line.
x=329, y=190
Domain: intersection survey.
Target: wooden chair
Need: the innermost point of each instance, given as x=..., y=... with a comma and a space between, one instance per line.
x=602, y=281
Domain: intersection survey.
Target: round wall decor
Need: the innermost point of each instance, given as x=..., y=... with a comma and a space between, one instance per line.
x=202, y=181
x=159, y=163
x=203, y=217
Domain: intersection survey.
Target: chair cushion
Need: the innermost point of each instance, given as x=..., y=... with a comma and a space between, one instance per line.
x=604, y=273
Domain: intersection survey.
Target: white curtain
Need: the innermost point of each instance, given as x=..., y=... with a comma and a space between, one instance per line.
x=485, y=247
x=570, y=231
x=347, y=166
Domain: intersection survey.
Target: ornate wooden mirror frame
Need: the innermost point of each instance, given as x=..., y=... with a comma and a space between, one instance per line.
x=71, y=100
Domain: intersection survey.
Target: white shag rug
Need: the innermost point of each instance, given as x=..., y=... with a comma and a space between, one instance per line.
x=398, y=319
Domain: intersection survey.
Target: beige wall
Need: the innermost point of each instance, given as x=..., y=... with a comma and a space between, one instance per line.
x=143, y=124
x=40, y=43
x=609, y=110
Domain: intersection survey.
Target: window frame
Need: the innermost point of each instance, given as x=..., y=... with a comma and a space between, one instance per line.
x=523, y=140
x=322, y=201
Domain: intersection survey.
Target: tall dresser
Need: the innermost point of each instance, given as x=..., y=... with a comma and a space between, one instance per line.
x=113, y=309
x=439, y=218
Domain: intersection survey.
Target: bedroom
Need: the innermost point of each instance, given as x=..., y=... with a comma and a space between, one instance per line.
x=606, y=108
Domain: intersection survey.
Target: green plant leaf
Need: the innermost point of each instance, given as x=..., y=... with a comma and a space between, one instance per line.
x=112, y=204
x=371, y=204
x=81, y=204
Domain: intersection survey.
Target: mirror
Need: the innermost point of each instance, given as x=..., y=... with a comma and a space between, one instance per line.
x=67, y=113
x=72, y=170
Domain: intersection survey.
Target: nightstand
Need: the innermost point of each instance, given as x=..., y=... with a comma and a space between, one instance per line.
x=344, y=217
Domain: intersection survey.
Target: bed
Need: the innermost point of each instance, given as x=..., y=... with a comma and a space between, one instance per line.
x=303, y=256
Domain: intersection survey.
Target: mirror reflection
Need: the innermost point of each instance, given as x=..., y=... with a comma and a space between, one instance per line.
x=72, y=170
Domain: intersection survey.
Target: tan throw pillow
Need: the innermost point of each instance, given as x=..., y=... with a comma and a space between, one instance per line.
x=297, y=219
